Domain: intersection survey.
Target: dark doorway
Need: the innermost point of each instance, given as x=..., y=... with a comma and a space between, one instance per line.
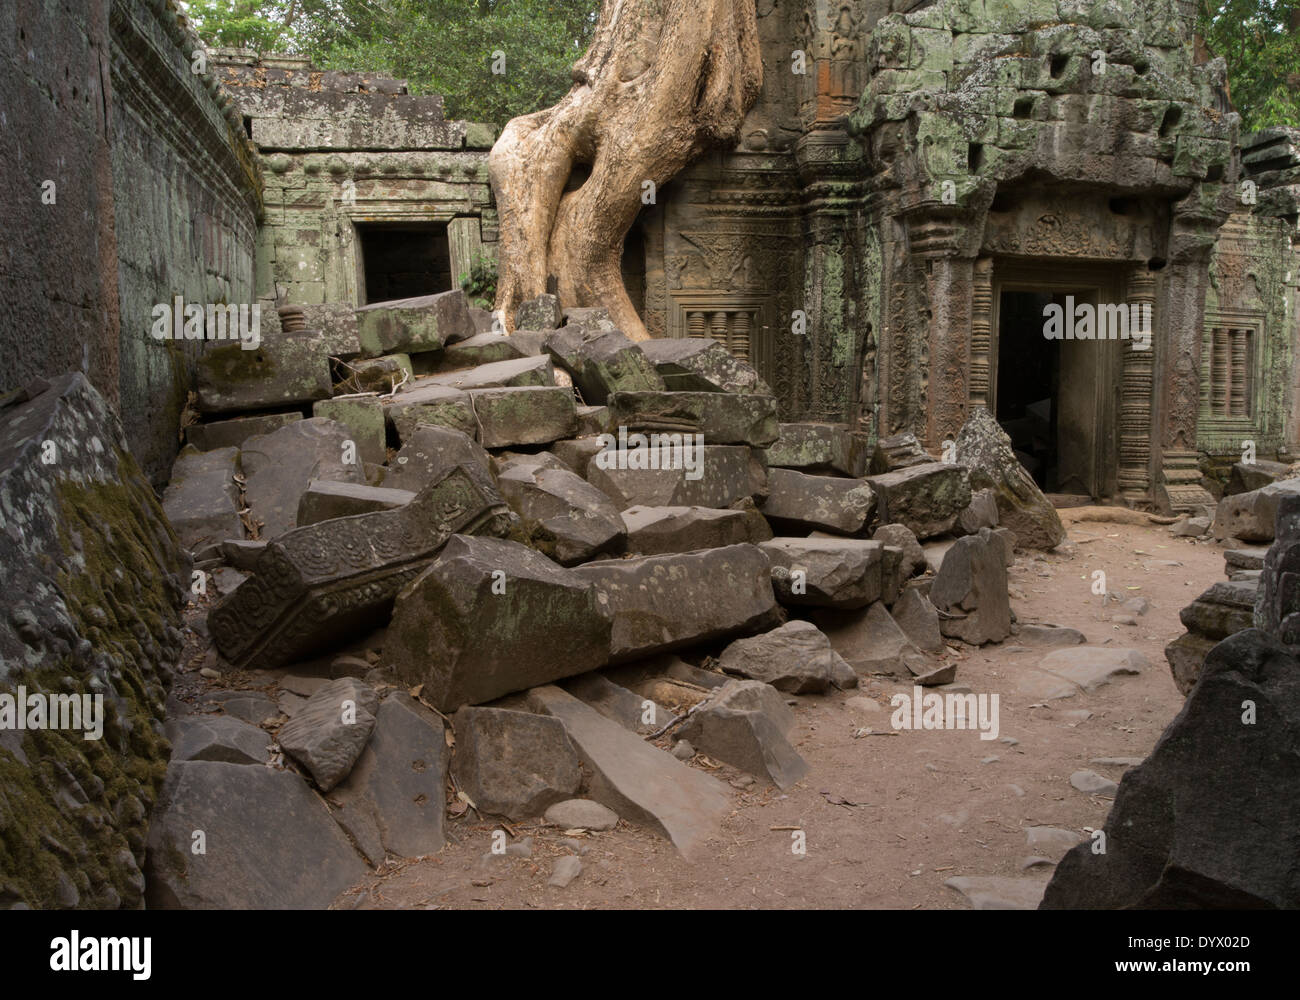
x=1029, y=374
x=404, y=260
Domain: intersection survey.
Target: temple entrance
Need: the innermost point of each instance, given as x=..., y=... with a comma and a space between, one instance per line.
x=1056, y=398
x=403, y=260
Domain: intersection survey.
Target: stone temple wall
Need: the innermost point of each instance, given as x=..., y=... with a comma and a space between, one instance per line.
x=187, y=196
x=341, y=150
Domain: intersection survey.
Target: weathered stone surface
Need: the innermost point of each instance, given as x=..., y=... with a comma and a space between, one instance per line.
x=616, y=702
x=1092, y=783
x=513, y=764
x=577, y=453
x=997, y=892
x=1186, y=831
x=592, y=420
x=278, y=850
x=602, y=363
x=917, y=617
x=871, y=641
x=328, y=733
x=523, y=415
x=657, y=530
x=490, y=617
x=970, y=590
x=219, y=738
x=723, y=418
x=413, y=326
x=640, y=783
x=982, y=513
x=1049, y=635
x=1252, y=516
x=1090, y=667
x=661, y=603
x=819, y=449
x=985, y=450
x=714, y=476
x=569, y=519
x=732, y=727
x=363, y=416
x=1246, y=477
x=279, y=467
x=430, y=451
x=234, y=432
x=900, y=536
x=377, y=374
x=796, y=657
x=1224, y=608
x=482, y=349
x=202, y=500
x=1186, y=655
x=431, y=404
x=567, y=868
x=698, y=364
x=276, y=375
x=797, y=501
x=541, y=313
x=249, y=706
x=900, y=451
x=392, y=801
x=317, y=584
x=517, y=373
x=325, y=500
x=826, y=572
x=926, y=498
x=582, y=814
x=1278, y=608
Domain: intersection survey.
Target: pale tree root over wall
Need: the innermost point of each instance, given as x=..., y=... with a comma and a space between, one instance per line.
x=663, y=81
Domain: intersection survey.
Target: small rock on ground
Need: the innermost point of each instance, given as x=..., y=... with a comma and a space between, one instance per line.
x=581, y=814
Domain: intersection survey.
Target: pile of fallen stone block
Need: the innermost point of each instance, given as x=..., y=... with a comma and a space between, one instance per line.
x=580, y=560
x=1243, y=523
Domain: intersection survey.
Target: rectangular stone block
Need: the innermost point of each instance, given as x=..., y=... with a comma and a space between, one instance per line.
x=234, y=432
x=413, y=326
x=722, y=417
x=524, y=415
x=202, y=499
x=275, y=375
x=430, y=404
x=820, y=448
x=364, y=417
x=727, y=473
x=326, y=500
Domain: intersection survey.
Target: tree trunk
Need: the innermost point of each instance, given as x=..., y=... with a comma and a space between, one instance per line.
x=663, y=81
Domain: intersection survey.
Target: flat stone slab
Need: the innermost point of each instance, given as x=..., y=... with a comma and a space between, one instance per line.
x=415, y=325
x=202, y=499
x=658, y=530
x=996, y=892
x=235, y=431
x=319, y=584
x=481, y=349
x=327, y=734
x=278, y=374
x=570, y=519
x=818, y=449
x=723, y=418
x=430, y=404
x=629, y=709
x=929, y=499
x=639, y=782
x=713, y=476
x=527, y=371
x=602, y=362
x=217, y=738
x=278, y=850
x=279, y=467
x=363, y=416
x=701, y=364
x=661, y=603
x=524, y=415
x=800, y=502
x=826, y=572
x=1092, y=666
x=513, y=764
x=325, y=500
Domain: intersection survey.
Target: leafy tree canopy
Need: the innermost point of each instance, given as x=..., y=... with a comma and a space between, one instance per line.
x=448, y=47
x=1261, y=41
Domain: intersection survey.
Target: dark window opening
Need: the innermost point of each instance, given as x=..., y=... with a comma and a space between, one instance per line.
x=1059, y=64
x=404, y=260
x=1029, y=371
x=1023, y=108
x=974, y=157
x=1173, y=115
x=633, y=268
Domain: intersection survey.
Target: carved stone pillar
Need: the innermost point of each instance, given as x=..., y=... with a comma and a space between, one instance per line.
x=1237, y=387
x=1136, y=389
x=981, y=331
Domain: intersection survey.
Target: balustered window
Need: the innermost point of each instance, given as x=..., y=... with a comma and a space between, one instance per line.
x=1228, y=369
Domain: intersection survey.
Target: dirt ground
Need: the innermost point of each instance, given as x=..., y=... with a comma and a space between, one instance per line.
x=887, y=819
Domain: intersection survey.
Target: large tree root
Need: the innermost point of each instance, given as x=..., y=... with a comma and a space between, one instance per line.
x=663, y=81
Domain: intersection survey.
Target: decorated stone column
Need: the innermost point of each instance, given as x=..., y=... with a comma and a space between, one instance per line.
x=1136, y=395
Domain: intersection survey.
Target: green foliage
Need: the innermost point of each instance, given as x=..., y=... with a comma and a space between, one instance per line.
x=1260, y=39
x=439, y=46
x=480, y=284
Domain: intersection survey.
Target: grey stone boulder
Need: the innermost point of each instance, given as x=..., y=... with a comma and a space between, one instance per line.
x=232, y=433
x=414, y=326
x=1222, y=609
x=985, y=450
x=325, y=500
x=927, y=498
x=540, y=313
x=871, y=642
x=981, y=513
x=1186, y=656
x=797, y=501
x=279, y=374
x=732, y=727
x=826, y=572
x=363, y=416
x=662, y=603
x=430, y=451
x=658, y=530
x=698, y=364
x=328, y=733
x=1207, y=821
x=269, y=842
x=722, y=418
x=489, y=617
x=901, y=536
x=570, y=520
x=1248, y=476
x=1252, y=516
x=513, y=764
x=392, y=802
x=202, y=499
x=481, y=349
x=523, y=415
x=602, y=363
x=581, y=814
x=280, y=467
x=513, y=374
x=714, y=476
x=898, y=451
x=820, y=449
x=970, y=590
x=426, y=403
x=917, y=617
x=220, y=738
x=796, y=657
